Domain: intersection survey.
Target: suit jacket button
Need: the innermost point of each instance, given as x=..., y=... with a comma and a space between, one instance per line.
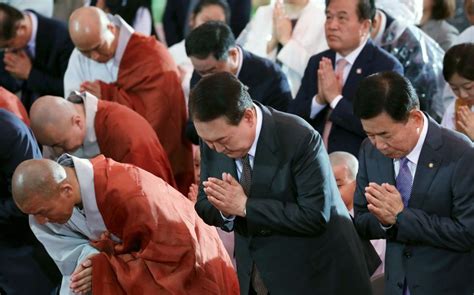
x=400, y=285
x=407, y=254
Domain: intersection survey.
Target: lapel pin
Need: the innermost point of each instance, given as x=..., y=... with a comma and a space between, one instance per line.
x=359, y=71
x=430, y=165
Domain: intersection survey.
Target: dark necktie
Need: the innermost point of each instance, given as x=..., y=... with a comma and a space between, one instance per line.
x=404, y=181
x=404, y=185
x=246, y=182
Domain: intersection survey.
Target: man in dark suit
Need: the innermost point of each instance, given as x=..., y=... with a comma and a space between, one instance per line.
x=36, y=56
x=25, y=267
x=331, y=77
x=415, y=189
x=293, y=234
x=177, y=15
x=211, y=48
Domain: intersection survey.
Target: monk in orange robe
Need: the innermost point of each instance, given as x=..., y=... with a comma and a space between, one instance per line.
x=116, y=229
x=12, y=103
x=86, y=127
x=114, y=63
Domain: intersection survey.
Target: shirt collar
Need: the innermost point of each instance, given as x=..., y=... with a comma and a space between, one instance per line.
x=90, y=147
x=34, y=30
x=258, y=128
x=126, y=32
x=414, y=155
x=351, y=57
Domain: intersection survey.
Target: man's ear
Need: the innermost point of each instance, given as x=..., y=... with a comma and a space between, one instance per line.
x=191, y=21
x=78, y=121
x=65, y=189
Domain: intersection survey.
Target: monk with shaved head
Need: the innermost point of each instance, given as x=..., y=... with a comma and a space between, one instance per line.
x=114, y=228
x=85, y=127
x=114, y=63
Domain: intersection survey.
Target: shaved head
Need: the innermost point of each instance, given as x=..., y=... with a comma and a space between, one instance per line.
x=93, y=33
x=36, y=178
x=58, y=122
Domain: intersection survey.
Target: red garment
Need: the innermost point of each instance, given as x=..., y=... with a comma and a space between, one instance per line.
x=126, y=137
x=148, y=83
x=166, y=248
x=12, y=103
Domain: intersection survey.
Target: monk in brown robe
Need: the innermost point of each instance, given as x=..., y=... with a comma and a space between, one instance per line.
x=86, y=127
x=12, y=103
x=116, y=229
x=114, y=63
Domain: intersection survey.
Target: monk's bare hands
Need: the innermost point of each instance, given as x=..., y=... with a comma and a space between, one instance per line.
x=93, y=87
x=18, y=64
x=384, y=201
x=227, y=195
x=466, y=121
x=81, y=278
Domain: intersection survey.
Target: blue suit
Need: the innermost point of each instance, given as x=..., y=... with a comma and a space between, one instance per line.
x=266, y=82
x=346, y=133
x=432, y=242
x=52, y=50
x=25, y=267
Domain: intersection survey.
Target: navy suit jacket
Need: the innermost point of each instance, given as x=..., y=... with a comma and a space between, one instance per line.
x=175, y=18
x=297, y=230
x=346, y=133
x=25, y=266
x=266, y=82
x=432, y=243
x=52, y=50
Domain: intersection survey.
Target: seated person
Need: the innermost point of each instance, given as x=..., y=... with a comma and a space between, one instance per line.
x=86, y=127
x=458, y=71
x=212, y=49
x=420, y=55
x=434, y=21
x=345, y=167
x=114, y=228
x=288, y=32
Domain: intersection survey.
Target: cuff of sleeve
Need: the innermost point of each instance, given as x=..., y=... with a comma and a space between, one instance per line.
x=315, y=107
x=335, y=101
x=227, y=219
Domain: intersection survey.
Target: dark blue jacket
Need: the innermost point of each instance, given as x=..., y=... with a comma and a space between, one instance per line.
x=346, y=133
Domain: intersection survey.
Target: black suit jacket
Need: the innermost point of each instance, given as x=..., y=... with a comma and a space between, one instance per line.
x=176, y=18
x=25, y=267
x=346, y=133
x=52, y=50
x=297, y=230
x=432, y=243
x=266, y=82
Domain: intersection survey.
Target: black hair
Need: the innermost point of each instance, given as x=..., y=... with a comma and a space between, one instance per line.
x=204, y=3
x=387, y=92
x=459, y=59
x=211, y=38
x=217, y=95
x=10, y=18
x=365, y=9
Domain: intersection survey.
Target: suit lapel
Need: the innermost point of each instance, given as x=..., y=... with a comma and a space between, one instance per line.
x=385, y=170
x=358, y=70
x=266, y=158
x=428, y=165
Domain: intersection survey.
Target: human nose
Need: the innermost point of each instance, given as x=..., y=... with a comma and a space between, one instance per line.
x=219, y=147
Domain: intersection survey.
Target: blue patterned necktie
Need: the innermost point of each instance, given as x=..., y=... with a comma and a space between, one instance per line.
x=404, y=185
x=404, y=181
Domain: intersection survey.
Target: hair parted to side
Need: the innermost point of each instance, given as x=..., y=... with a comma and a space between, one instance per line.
x=459, y=59
x=10, y=18
x=387, y=92
x=217, y=95
x=211, y=38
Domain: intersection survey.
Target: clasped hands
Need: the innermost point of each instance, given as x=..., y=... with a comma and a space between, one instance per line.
x=329, y=84
x=282, y=27
x=226, y=194
x=17, y=63
x=466, y=121
x=384, y=202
